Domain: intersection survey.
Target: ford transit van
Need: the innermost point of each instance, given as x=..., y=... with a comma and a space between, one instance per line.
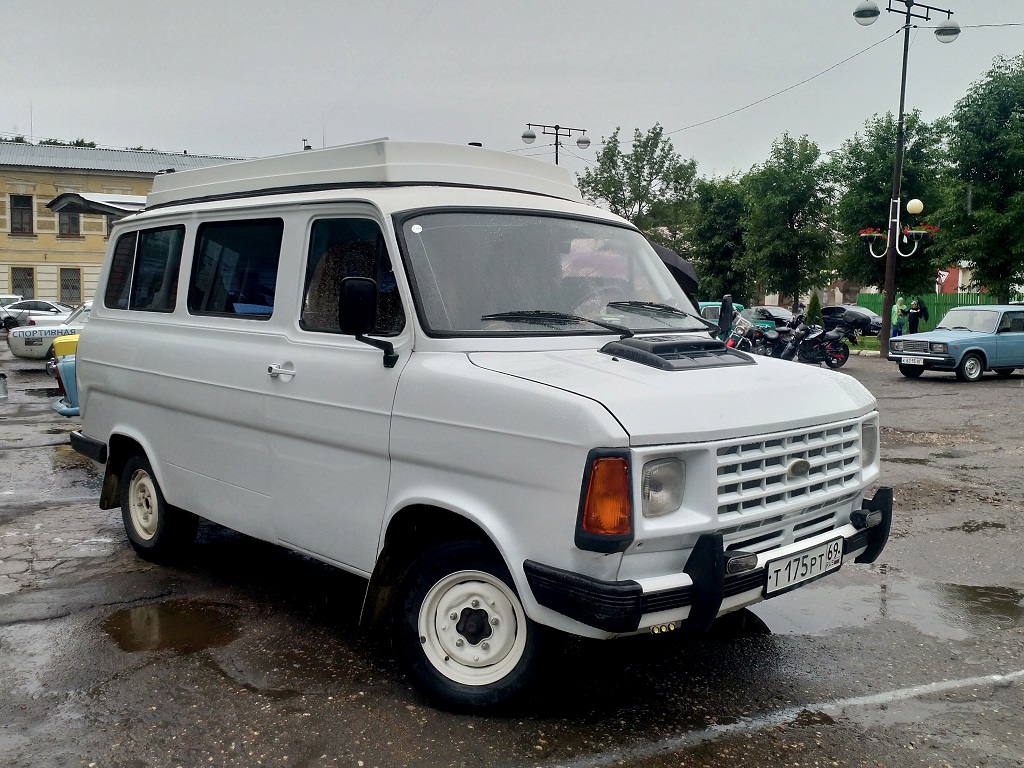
x=438, y=368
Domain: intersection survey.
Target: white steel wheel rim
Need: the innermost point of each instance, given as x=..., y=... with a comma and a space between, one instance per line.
x=472, y=595
x=972, y=368
x=142, y=504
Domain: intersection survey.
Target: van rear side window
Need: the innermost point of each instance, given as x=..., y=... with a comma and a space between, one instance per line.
x=235, y=268
x=144, y=270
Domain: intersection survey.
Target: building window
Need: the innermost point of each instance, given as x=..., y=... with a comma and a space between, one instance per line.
x=69, y=224
x=23, y=281
x=21, y=214
x=70, y=286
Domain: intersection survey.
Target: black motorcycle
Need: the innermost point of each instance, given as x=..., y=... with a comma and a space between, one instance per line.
x=814, y=345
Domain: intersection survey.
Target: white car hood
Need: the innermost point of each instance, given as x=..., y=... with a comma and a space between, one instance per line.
x=658, y=407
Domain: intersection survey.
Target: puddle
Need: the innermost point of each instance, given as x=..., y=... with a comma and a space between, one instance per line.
x=47, y=391
x=947, y=611
x=973, y=526
x=182, y=626
x=907, y=461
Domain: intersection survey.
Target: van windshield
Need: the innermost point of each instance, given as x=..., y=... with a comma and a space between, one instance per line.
x=494, y=273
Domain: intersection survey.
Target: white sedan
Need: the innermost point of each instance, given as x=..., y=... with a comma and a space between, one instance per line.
x=36, y=341
x=34, y=312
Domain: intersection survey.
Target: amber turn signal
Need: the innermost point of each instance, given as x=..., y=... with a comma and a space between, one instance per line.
x=607, y=510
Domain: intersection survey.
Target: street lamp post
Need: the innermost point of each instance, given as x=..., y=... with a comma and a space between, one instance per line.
x=866, y=13
x=558, y=131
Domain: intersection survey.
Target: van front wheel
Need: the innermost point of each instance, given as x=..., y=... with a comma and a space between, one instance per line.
x=462, y=632
x=156, y=530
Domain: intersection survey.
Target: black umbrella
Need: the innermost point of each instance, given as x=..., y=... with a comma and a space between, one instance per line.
x=681, y=269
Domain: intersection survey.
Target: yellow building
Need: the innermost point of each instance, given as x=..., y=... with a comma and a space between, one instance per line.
x=56, y=255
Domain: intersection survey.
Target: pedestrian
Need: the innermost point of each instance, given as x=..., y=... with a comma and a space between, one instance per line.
x=913, y=316
x=923, y=307
x=899, y=313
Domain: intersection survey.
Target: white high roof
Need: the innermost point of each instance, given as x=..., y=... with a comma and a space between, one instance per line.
x=373, y=163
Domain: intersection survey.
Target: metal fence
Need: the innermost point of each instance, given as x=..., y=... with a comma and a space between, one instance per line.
x=938, y=304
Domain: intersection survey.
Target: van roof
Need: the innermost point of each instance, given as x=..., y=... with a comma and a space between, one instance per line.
x=374, y=163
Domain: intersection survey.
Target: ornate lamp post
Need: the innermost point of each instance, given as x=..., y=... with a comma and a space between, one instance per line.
x=866, y=13
x=558, y=131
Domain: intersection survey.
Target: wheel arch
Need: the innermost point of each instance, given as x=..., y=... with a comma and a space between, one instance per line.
x=410, y=532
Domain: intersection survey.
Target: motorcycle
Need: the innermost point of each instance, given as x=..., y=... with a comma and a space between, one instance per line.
x=814, y=345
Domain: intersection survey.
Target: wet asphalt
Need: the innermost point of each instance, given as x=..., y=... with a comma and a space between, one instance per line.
x=246, y=654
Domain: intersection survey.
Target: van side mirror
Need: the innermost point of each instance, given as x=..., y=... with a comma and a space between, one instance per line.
x=357, y=310
x=725, y=317
x=357, y=314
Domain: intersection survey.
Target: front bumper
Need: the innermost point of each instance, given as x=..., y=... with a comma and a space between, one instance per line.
x=624, y=607
x=936, y=362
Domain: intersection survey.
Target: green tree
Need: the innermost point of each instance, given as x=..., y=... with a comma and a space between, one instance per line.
x=984, y=222
x=863, y=169
x=787, y=225
x=75, y=143
x=814, y=310
x=716, y=240
x=645, y=185
x=15, y=140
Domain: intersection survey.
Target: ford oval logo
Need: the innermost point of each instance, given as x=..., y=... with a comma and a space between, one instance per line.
x=799, y=468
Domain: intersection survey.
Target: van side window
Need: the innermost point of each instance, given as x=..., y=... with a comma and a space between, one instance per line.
x=340, y=248
x=144, y=270
x=235, y=268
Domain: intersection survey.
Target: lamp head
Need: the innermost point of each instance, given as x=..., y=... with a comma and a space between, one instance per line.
x=915, y=207
x=947, y=31
x=529, y=136
x=866, y=13
x=583, y=141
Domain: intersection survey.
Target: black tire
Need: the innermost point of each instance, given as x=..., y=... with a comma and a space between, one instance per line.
x=971, y=367
x=1005, y=372
x=443, y=655
x=10, y=323
x=837, y=360
x=156, y=530
x=911, y=371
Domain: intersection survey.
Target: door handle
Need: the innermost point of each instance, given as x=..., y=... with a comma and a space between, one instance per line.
x=274, y=371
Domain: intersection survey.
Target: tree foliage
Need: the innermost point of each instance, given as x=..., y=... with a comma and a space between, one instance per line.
x=864, y=171
x=75, y=143
x=642, y=185
x=716, y=240
x=787, y=224
x=984, y=221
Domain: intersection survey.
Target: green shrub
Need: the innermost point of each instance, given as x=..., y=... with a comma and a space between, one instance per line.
x=814, y=310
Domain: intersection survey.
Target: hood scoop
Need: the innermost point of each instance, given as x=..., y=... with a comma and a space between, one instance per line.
x=676, y=353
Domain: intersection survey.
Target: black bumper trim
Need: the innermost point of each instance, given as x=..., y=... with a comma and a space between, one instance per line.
x=614, y=606
x=89, y=447
x=877, y=535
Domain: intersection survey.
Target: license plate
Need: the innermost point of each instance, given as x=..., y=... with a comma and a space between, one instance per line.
x=912, y=361
x=785, y=573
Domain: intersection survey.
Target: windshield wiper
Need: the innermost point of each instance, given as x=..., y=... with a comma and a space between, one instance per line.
x=545, y=316
x=655, y=308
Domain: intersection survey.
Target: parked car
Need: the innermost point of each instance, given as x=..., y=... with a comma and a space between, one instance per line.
x=861, y=318
x=36, y=341
x=63, y=370
x=9, y=298
x=35, y=312
x=967, y=341
x=779, y=316
x=710, y=310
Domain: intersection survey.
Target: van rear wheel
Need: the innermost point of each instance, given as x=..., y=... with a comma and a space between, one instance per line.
x=462, y=633
x=156, y=530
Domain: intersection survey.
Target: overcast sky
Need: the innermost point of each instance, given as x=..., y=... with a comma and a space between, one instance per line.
x=256, y=77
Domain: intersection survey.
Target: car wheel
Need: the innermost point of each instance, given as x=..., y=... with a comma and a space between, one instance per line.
x=156, y=530
x=462, y=634
x=1005, y=372
x=837, y=357
x=911, y=371
x=10, y=323
x=970, y=368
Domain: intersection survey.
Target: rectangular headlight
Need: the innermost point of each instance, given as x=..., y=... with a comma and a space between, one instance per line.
x=938, y=348
x=662, y=486
x=896, y=346
x=868, y=443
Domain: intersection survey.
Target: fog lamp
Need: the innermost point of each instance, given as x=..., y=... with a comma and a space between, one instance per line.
x=862, y=518
x=740, y=562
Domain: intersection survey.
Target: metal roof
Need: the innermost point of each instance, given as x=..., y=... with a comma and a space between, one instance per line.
x=94, y=159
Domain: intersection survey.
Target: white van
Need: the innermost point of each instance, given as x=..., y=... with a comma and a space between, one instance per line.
x=436, y=367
